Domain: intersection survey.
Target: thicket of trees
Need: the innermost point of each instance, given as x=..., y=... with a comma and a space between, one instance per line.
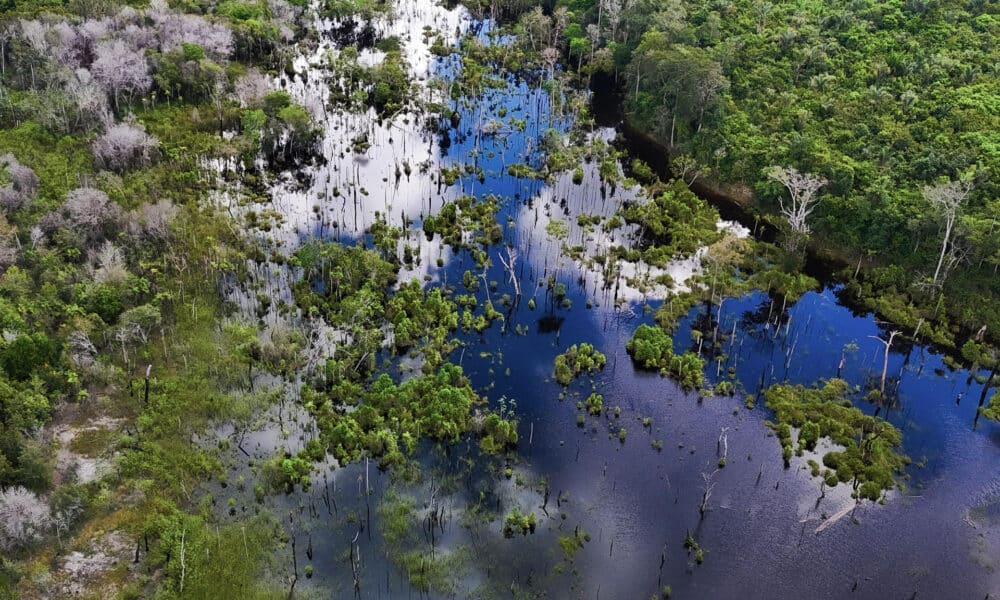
x=890, y=104
x=86, y=205
x=868, y=457
x=109, y=259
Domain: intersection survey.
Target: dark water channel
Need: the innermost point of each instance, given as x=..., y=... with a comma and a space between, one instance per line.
x=767, y=533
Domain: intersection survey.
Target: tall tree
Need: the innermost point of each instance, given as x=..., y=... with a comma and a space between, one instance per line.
x=802, y=187
x=947, y=199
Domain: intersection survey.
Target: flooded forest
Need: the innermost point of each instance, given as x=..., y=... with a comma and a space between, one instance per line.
x=463, y=299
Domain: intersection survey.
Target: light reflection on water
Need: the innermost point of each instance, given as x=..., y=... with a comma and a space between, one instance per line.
x=637, y=504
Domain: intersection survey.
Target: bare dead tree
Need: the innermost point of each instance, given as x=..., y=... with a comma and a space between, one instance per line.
x=251, y=88
x=121, y=70
x=22, y=187
x=354, y=563
x=685, y=165
x=802, y=187
x=722, y=446
x=612, y=10
x=125, y=146
x=947, y=199
x=183, y=565
x=509, y=264
x=706, y=493
x=550, y=57
x=24, y=517
x=885, y=361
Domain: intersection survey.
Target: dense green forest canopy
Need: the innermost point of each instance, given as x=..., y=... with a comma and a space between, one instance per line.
x=881, y=98
x=111, y=261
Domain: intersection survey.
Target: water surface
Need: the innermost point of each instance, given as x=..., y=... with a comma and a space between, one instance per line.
x=762, y=534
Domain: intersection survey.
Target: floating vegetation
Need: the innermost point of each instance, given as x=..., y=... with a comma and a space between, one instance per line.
x=651, y=348
x=571, y=544
x=386, y=87
x=466, y=222
x=691, y=545
x=595, y=403
x=426, y=571
x=578, y=359
x=517, y=522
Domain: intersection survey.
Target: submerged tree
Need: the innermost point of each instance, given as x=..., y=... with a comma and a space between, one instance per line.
x=885, y=357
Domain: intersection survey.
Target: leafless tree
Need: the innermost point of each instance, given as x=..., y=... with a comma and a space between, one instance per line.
x=22, y=187
x=706, y=90
x=92, y=30
x=885, y=359
x=251, y=88
x=33, y=35
x=550, y=57
x=91, y=101
x=49, y=223
x=285, y=15
x=156, y=219
x=24, y=517
x=947, y=199
x=140, y=38
x=62, y=38
x=176, y=29
x=722, y=446
x=706, y=492
x=109, y=264
x=8, y=32
x=65, y=515
x=612, y=10
x=510, y=263
x=84, y=44
x=135, y=325
x=594, y=35
x=9, y=247
x=121, y=70
x=802, y=187
x=86, y=206
x=158, y=10
x=141, y=321
x=82, y=351
x=560, y=20
x=88, y=211
x=124, y=146
x=537, y=28
x=37, y=237
x=686, y=167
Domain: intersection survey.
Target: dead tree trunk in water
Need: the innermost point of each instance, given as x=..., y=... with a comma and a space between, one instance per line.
x=722, y=446
x=706, y=493
x=509, y=265
x=354, y=564
x=885, y=359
